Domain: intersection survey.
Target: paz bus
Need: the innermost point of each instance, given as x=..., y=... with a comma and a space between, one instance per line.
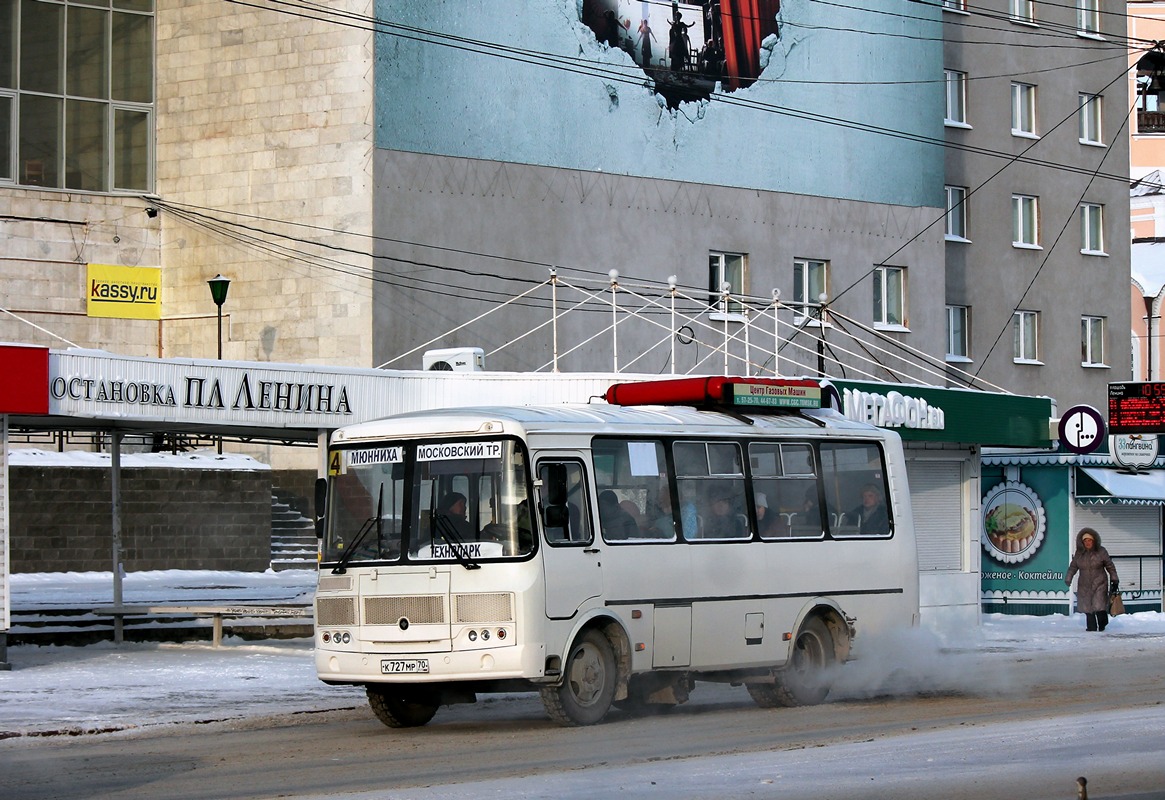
x=611, y=554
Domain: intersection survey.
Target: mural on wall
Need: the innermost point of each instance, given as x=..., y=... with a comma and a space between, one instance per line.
x=1013, y=522
x=778, y=95
x=687, y=48
x=1025, y=538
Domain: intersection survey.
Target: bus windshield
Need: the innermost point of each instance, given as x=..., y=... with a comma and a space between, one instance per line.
x=432, y=501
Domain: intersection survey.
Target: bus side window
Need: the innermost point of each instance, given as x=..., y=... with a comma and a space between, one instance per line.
x=855, y=490
x=634, y=501
x=785, y=490
x=565, y=510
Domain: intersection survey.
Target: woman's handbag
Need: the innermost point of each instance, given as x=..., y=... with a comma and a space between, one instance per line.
x=1116, y=606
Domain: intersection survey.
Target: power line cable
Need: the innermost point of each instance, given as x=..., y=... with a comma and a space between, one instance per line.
x=1016, y=159
x=1048, y=254
x=1043, y=27
x=610, y=72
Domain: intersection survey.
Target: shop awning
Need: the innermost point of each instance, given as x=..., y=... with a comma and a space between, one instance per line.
x=1104, y=485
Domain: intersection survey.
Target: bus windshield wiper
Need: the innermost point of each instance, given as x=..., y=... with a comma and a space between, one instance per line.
x=444, y=526
x=339, y=569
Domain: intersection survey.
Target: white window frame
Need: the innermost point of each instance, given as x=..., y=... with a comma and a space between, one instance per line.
x=958, y=334
x=1092, y=229
x=1022, y=11
x=1092, y=341
x=1091, y=119
x=956, y=220
x=956, y=98
x=804, y=303
x=1025, y=221
x=959, y=6
x=1023, y=110
x=109, y=161
x=885, y=305
x=718, y=263
x=1025, y=327
x=1088, y=18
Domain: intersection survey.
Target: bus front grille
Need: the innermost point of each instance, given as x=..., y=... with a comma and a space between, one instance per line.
x=475, y=608
x=425, y=609
x=335, y=583
x=335, y=611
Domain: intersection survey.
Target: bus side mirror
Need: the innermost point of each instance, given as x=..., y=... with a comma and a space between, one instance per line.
x=321, y=505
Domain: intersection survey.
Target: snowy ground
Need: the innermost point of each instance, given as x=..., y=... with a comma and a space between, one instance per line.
x=104, y=688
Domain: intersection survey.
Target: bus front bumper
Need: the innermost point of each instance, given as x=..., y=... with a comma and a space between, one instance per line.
x=502, y=663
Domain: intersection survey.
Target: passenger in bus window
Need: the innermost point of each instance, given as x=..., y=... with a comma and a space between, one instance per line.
x=810, y=513
x=768, y=521
x=662, y=521
x=616, y=523
x=451, y=515
x=870, y=516
x=723, y=521
x=633, y=512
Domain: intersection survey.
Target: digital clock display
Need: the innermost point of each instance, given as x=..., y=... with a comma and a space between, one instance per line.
x=1136, y=408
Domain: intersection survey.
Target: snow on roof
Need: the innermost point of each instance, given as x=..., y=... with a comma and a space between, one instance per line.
x=198, y=459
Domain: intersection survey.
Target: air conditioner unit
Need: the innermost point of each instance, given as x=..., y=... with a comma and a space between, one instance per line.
x=454, y=359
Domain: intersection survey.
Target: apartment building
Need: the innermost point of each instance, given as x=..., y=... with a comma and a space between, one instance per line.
x=1036, y=175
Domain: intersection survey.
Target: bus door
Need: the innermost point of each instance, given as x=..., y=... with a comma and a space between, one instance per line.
x=570, y=558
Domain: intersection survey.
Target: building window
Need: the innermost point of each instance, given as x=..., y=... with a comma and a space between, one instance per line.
x=1023, y=11
x=957, y=213
x=6, y=105
x=79, y=111
x=955, y=5
x=958, y=333
x=1088, y=16
x=726, y=268
x=1023, y=109
x=1025, y=328
x=956, y=97
x=1025, y=221
x=1092, y=342
x=1090, y=107
x=810, y=281
x=1092, y=228
x=889, y=296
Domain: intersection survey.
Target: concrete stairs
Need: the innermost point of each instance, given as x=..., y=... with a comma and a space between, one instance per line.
x=293, y=537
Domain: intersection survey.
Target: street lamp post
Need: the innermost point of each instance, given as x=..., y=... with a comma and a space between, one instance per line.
x=1149, y=317
x=218, y=292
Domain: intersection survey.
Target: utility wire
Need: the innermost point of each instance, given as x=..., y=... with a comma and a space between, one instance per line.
x=625, y=75
x=990, y=178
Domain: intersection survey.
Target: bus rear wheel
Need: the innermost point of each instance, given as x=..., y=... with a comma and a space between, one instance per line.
x=588, y=685
x=803, y=681
x=400, y=709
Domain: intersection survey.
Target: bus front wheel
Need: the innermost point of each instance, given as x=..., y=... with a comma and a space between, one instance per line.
x=397, y=709
x=588, y=685
x=804, y=680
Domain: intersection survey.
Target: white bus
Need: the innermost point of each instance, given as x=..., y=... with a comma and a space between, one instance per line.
x=611, y=554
